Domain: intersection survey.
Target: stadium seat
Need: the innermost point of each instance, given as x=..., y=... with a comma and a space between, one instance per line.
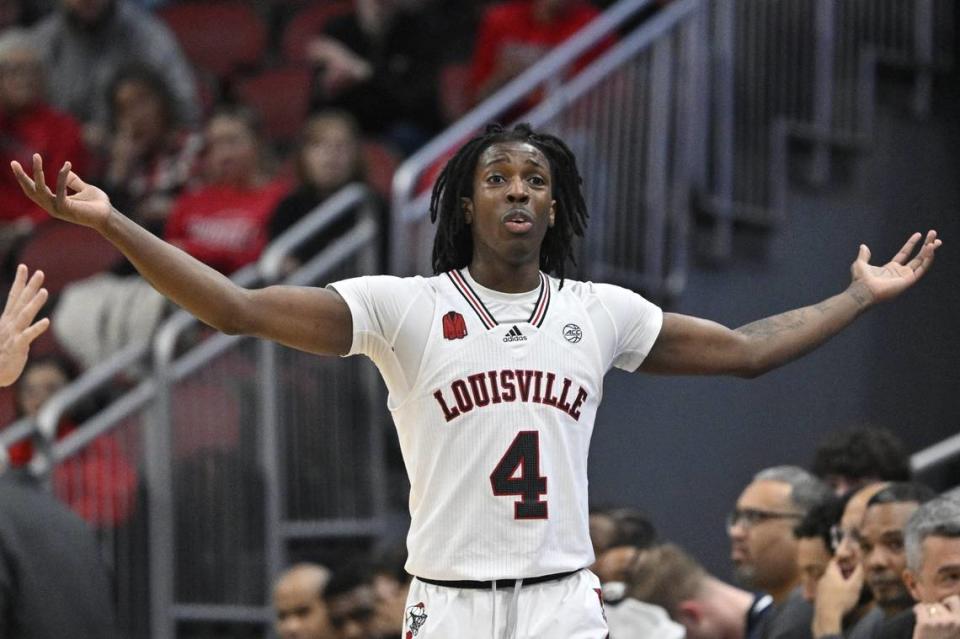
x=381, y=163
x=306, y=24
x=281, y=97
x=455, y=91
x=221, y=36
x=66, y=252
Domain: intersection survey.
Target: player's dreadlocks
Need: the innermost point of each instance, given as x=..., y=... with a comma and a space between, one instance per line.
x=453, y=245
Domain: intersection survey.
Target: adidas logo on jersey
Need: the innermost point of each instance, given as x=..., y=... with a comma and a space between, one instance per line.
x=514, y=335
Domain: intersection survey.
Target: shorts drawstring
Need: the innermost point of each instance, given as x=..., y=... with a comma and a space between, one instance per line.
x=493, y=632
x=511, y=630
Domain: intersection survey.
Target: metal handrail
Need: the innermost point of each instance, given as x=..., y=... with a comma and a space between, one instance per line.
x=935, y=455
x=561, y=57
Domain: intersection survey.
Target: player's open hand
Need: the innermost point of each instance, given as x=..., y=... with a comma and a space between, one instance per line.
x=887, y=281
x=17, y=328
x=86, y=204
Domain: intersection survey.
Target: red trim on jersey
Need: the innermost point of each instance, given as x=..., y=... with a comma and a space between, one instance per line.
x=540, y=308
x=472, y=298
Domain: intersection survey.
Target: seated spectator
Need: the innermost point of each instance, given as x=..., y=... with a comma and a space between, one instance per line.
x=391, y=583
x=29, y=125
x=87, y=41
x=99, y=483
x=152, y=156
x=351, y=603
x=881, y=543
x=22, y=13
x=224, y=222
x=851, y=459
x=764, y=549
x=814, y=543
x=513, y=35
x=932, y=545
x=381, y=63
x=298, y=602
x=706, y=607
x=843, y=604
x=328, y=159
x=618, y=536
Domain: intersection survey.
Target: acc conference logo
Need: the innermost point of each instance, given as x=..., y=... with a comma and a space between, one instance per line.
x=573, y=333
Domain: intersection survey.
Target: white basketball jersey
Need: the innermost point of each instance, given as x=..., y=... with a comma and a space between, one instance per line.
x=495, y=417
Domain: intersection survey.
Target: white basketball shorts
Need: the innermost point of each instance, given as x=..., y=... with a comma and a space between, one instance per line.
x=565, y=608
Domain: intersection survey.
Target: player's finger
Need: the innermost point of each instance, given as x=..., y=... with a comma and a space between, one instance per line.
x=74, y=183
x=26, y=337
x=62, y=182
x=30, y=310
x=19, y=281
x=30, y=290
x=904, y=253
x=39, y=180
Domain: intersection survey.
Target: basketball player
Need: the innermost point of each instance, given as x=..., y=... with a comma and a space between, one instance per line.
x=494, y=368
x=17, y=328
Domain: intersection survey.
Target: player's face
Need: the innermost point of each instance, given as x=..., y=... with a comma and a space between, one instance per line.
x=763, y=547
x=939, y=575
x=512, y=205
x=881, y=542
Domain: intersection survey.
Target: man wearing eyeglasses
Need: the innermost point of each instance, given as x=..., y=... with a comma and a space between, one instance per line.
x=763, y=546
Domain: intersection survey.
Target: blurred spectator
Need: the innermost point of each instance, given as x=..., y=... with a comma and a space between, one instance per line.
x=814, y=543
x=764, y=550
x=52, y=582
x=351, y=603
x=513, y=35
x=328, y=159
x=706, y=607
x=844, y=604
x=86, y=41
x=381, y=63
x=27, y=126
x=932, y=539
x=391, y=583
x=881, y=542
x=618, y=536
x=22, y=13
x=224, y=222
x=152, y=156
x=853, y=458
x=99, y=484
x=298, y=603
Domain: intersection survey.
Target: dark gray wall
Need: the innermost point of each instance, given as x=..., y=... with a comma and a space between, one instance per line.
x=683, y=448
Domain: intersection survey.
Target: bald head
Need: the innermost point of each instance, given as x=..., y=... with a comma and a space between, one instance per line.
x=298, y=602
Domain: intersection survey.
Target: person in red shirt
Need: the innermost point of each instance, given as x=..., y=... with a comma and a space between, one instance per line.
x=28, y=125
x=224, y=223
x=513, y=35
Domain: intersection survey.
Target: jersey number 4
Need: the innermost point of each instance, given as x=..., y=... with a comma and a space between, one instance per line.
x=518, y=473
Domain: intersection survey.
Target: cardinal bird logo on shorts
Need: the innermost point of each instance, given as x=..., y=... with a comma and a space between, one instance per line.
x=416, y=615
x=454, y=326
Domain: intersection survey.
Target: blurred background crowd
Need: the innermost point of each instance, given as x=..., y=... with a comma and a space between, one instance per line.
x=221, y=126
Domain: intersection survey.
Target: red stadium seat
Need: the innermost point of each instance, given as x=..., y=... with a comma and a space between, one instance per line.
x=66, y=252
x=306, y=24
x=220, y=36
x=281, y=97
x=455, y=91
x=381, y=164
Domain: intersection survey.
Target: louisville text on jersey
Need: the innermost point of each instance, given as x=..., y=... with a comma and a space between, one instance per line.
x=511, y=385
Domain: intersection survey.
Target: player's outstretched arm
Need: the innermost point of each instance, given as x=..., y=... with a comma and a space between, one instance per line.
x=17, y=328
x=693, y=346
x=311, y=319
